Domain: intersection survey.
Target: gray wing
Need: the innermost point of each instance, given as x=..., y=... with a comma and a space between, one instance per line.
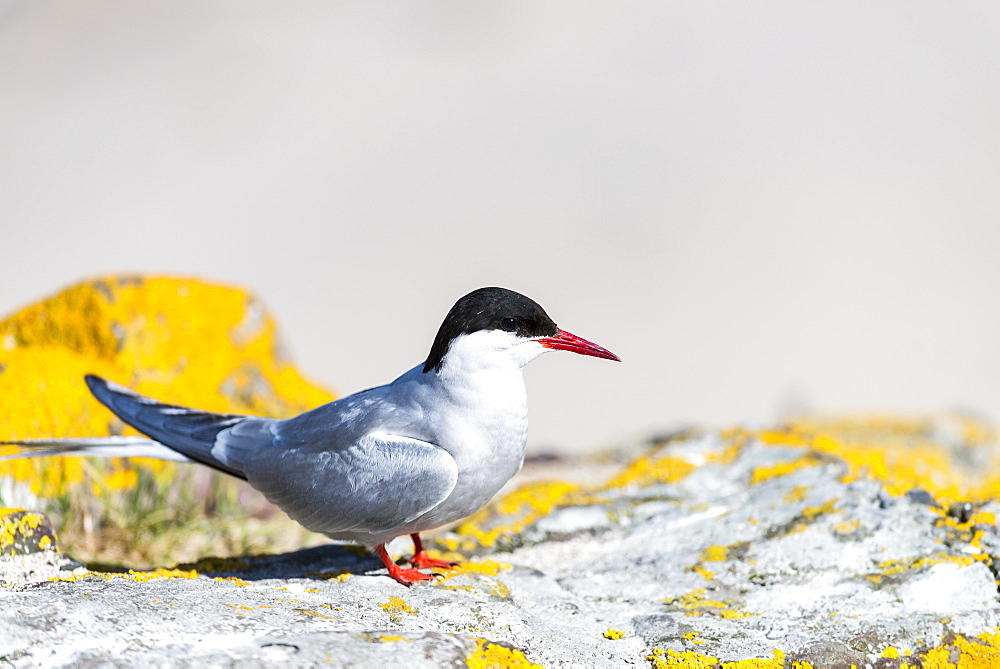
x=378, y=483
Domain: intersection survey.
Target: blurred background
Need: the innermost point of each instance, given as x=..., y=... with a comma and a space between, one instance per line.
x=762, y=208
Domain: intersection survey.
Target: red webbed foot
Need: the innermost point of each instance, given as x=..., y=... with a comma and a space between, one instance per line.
x=406, y=577
x=409, y=576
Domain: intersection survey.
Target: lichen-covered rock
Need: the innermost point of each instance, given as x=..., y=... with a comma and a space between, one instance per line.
x=28, y=549
x=179, y=340
x=23, y=532
x=818, y=542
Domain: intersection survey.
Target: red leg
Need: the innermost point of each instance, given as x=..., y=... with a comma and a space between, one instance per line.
x=422, y=560
x=405, y=576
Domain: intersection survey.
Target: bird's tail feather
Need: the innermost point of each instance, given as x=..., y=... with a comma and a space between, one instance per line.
x=190, y=432
x=101, y=447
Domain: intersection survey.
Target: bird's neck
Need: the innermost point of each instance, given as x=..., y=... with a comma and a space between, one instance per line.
x=480, y=383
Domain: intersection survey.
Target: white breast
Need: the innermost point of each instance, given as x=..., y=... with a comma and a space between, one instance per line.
x=476, y=408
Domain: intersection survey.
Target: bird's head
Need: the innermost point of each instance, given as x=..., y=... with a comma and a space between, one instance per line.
x=496, y=326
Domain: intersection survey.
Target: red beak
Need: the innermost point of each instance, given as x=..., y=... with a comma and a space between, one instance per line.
x=567, y=341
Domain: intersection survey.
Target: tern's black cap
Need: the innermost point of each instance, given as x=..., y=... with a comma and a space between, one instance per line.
x=490, y=309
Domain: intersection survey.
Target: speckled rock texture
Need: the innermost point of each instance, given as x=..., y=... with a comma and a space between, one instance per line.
x=867, y=542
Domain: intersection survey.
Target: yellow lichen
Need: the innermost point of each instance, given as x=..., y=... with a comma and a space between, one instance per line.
x=661, y=659
x=981, y=653
x=159, y=573
x=697, y=603
x=647, y=470
x=482, y=569
x=904, y=454
x=701, y=571
x=715, y=554
x=515, y=511
x=239, y=606
x=664, y=659
x=810, y=513
x=959, y=532
x=661, y=465
x=396, y=607
x=132, y=575
x=18, y=526
x=314, y=614
x=893, y=567
x=761, y=474
x=613, y=634
x=490, y=655
x=488, y=567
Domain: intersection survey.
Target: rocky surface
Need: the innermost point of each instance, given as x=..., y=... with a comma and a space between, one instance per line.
x=758, y=547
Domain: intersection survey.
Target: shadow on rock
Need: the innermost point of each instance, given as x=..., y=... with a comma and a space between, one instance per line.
x=321, y=562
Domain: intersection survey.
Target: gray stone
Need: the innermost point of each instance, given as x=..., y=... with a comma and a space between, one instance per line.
x=719, y=562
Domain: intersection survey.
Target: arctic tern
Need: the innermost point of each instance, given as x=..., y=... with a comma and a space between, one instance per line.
x=427, y=449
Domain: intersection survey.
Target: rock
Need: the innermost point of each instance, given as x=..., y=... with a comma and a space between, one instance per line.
x=23, y=532
x=28, y=550
x=752, y=547
x=180, y=340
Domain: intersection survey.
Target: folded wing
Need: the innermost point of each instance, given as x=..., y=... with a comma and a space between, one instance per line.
x=375, y=485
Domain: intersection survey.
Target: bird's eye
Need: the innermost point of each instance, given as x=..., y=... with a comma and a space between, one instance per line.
x=508, y=324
